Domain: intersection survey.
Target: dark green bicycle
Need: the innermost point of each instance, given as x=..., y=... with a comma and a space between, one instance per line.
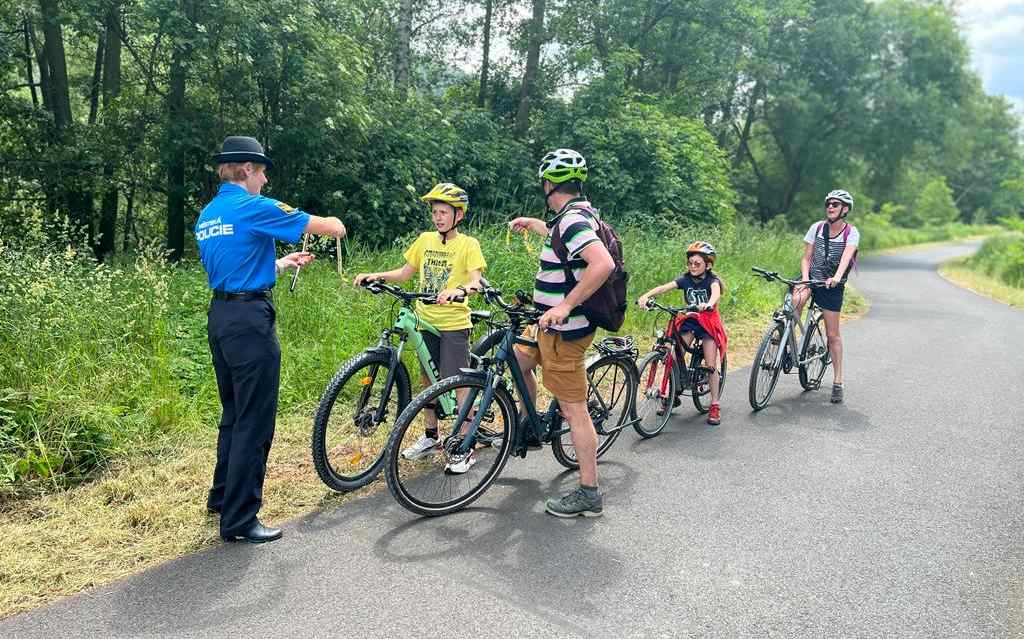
x=487, y=427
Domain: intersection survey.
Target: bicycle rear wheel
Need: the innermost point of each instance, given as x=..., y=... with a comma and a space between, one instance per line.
x=655, y=395
x=702, y=383
x=814, y=355
x=430, y=484
x=348, y=442
x=763, y=373
x=609, y=401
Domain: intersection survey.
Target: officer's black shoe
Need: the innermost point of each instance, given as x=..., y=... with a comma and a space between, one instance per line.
x=256, y=534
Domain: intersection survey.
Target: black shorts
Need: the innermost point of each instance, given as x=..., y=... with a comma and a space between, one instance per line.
x=691, y=325
x=450, y=352
x=829, y=299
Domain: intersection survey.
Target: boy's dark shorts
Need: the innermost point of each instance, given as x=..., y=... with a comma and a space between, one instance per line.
x=450, y=351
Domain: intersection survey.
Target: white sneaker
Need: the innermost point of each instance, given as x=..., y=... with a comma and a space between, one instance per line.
x=423, y=446
x=458, y=464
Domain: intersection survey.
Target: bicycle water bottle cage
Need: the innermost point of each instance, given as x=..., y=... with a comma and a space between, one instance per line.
x=779, y=315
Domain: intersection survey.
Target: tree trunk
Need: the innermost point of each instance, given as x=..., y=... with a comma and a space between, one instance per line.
x=481, y=98
x=97, y=76
x=28, y=65
x=402, y=52
x=532, y=65
x=175, y=149
x=45, y=87
x=77, y=200
x=53, y=50
x=111, y=88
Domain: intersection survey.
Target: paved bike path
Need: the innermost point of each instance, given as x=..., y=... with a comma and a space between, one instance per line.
x=898, y=513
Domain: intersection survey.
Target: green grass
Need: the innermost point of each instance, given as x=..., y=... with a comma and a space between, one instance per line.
x=102, y=362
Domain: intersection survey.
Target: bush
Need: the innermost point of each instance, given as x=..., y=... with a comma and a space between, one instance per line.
x=1002, y=257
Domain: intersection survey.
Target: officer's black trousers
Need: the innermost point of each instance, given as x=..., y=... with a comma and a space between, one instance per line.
x=247, y=361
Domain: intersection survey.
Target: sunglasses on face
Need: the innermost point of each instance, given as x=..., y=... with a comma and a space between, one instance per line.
x=833, y=205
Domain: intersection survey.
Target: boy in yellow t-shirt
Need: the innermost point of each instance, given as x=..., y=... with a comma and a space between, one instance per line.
x=449, y=264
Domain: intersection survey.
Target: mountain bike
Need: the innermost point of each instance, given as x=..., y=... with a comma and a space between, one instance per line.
x=776, y=352
x=351, y=425
x=488, y=425
x=665, y=375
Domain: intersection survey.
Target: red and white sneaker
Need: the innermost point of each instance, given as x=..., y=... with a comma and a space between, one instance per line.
x=715, y=415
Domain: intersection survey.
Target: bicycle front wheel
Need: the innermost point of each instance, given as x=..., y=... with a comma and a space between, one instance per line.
x=814, y=358
x=611, y=389
x=655, y=395
x=763, y=373
x=440, y=480
x=348, y=439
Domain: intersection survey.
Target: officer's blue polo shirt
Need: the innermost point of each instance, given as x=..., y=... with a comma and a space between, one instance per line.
x=236, y=233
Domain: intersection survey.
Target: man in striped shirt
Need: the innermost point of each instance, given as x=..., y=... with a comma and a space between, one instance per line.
x=563, y=333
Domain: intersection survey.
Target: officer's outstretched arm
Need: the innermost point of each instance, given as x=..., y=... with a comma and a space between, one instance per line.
x=325, y=226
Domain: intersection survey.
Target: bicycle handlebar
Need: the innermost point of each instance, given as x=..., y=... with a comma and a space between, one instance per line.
x=519, y=309
x=379, y=286
x=690, y=308
x=772, y=275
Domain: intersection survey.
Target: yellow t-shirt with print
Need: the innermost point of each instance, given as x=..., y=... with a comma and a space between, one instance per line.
x=445, y=266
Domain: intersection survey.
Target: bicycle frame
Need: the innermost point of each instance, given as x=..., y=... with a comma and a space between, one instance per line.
x=505, y=359
x=787, y=316
x=408, y=328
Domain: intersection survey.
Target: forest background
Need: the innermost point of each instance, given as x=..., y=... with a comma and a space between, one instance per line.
x=722, y=119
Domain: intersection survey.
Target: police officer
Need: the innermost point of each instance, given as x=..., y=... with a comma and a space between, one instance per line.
x=236, y=233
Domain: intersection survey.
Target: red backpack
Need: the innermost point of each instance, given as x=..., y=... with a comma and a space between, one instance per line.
x=607, y=306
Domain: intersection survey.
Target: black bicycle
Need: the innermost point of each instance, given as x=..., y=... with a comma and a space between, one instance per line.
x=776, y=352
x=350, y=428
x=487, y=427
x=666, y=374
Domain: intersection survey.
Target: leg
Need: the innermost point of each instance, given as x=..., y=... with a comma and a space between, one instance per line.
x=254, y=356
x=225, y=389
x=584, y=439
x=528, y=358
x=711, y=359
x=799, y=299
x=835, y=344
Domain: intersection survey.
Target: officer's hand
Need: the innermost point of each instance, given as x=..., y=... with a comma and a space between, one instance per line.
x=340, y=230
x=294, y=260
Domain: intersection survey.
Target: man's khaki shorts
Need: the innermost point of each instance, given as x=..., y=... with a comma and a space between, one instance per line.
x=562, y=363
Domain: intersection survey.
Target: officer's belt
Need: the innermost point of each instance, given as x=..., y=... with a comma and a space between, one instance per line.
x=242, y=296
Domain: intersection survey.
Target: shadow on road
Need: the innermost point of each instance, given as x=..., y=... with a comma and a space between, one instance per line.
x=811, y=409
x=497, y=547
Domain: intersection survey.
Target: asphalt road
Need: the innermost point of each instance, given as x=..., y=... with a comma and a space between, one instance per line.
x=897, y=514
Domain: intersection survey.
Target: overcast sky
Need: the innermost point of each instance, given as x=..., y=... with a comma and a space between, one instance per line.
x=995, y=31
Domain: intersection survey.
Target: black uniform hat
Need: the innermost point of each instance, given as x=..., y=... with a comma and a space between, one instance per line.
x=240, y=148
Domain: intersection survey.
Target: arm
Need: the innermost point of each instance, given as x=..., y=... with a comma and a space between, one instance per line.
x=396, y=275
x=716, y=294
x=657, y=290
x=521, y=224
x=325, y=226
x=599, y=266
